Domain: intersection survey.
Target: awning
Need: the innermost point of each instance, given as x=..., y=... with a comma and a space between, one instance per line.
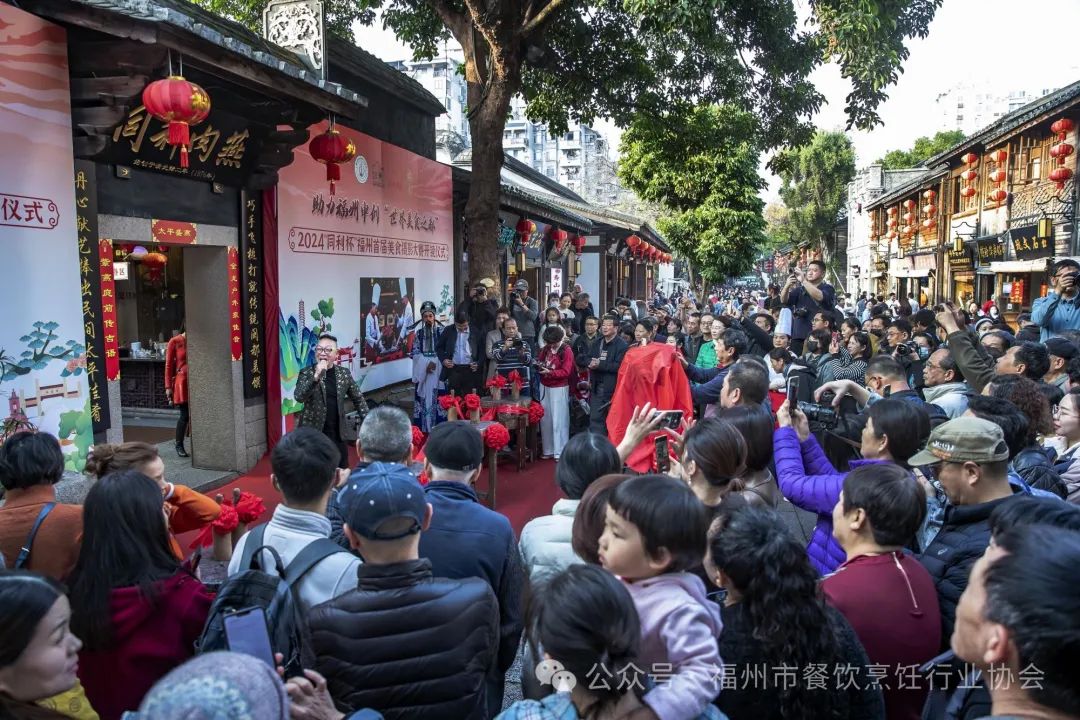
x=912, y=273
x=1019, y=266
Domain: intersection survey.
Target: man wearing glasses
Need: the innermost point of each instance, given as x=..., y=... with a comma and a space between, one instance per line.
x=1060, y=309
x=945, y=386
x=323, y=388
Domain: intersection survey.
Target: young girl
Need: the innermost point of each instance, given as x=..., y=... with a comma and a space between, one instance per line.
x=654, y=532
x=136, y=609
x=590, y=655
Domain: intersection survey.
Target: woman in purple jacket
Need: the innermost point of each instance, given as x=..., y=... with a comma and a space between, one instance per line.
x=895, y=430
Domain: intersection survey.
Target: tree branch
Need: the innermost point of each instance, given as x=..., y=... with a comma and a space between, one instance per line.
x=455, y=22
x=542, y=16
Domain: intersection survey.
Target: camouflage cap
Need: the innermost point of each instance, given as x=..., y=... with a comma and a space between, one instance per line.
x=965, y=439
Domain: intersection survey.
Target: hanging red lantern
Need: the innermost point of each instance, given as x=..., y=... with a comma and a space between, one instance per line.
x=579, y=244
x=559, y=237
x=970, y=158
x=892, y=211
x=633, y=241
x=1062, y=150
x=909, y=204
x=892, y=222
x=998, y=195
x=929, y=195
x=967, y=192
x=331, y=149
x=969, y=175
x=999, y=156
x=179, y=103
x=908, y=217
x=930, y=209
x=929, y=223
x=1060, y=176
x=998, y=176
x=1062, y=126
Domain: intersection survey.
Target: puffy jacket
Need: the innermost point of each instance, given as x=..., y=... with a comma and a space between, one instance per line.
x=1069, y=471
x=407, y=644
x=545, y=542
x=1033, y=466
x=962, y=539
x=950, y=397
x=809, y=481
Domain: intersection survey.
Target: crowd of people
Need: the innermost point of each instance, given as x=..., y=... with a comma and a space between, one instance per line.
x=934, y=446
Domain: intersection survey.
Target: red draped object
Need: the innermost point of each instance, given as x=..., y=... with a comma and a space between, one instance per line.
x=650, y=374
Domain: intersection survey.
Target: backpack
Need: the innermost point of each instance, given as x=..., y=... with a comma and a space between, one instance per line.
x=273, y=592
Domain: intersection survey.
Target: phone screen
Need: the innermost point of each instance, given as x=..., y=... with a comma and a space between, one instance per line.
x=672, y=419
x=836, y=337
x=663, y=455
x=792, y=393
x=246, y=633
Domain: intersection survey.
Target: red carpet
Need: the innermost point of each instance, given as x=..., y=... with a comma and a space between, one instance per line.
x=521, y=496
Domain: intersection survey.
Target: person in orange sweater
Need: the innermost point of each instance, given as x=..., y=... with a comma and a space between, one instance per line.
x=30, y=466
x=187, y=509
x=176, y=375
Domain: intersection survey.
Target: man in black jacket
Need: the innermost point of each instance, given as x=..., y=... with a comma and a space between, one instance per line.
x=970, y=458
x=460, y=349
x=467, y=540
x=404, y=642
x=479, y=308
x=604, y=365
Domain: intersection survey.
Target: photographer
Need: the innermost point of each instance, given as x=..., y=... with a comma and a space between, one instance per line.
x=513, y=353
x=479, y=308
x=806, y=293
x=894, y=431
x=885, y=378
x=974, y=362
x=524, y=310
x=1059, y=310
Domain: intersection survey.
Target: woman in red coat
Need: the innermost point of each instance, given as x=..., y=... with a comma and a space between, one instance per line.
x=555, y=365
x=176, y=371
x=136, y=609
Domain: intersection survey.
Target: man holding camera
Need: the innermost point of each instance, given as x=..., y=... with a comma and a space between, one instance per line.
x=807, y=294
x=480, y=308
x=524, y=310
x=1060, y=309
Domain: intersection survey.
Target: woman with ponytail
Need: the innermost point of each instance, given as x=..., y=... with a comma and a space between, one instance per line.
x=775, y=618
x=587, y=629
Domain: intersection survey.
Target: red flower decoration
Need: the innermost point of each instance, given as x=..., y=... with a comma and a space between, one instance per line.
x=536, y=412
x=448, y=401
x=496, y=436
x=249, y=508
x=515, y=378
x=423, y=479
x=472, y=402
x=418, y=438
x=227, y=521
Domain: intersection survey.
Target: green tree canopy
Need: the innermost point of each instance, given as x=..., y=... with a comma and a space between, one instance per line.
x=923, y=149
x=815, y=179
x=578, y=59
x=701, y=165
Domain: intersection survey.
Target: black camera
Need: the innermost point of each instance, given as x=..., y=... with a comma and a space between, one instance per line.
x=824, y=415
x=513, y=296
x=907, y=348
x=800, y=313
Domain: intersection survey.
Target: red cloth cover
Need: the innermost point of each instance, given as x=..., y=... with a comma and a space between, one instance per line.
x=650, y=374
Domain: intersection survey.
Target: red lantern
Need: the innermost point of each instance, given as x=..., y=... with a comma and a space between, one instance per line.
x=908, y=217
x=179, y=103
x=909, y=204
x=1060, y=176
x=970, y=158
x=930, y=209
x=999, y=156
x=633, y=241
x=998, y=176
x=969, y=175
x=579, y=244
x=929, y=195
x=929, y=223
x=1062, y=126
x=560, y=237
x=525, y=228
x=998, y=195
x=1063, y=150
x=967, y=192
x=892, y=211
x=331, y=149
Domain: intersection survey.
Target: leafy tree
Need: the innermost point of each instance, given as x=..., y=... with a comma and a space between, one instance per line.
x=619, y=58
x=701, y=165
x=923, y=149
x=815, y=179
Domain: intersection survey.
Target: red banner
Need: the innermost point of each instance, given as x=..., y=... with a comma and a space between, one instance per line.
x=108, y=311
x=173, y=232
x=234, y=305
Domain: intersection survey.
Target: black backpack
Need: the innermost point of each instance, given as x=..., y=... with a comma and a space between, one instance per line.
x=273, y=592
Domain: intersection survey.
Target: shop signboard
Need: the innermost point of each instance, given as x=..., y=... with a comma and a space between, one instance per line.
x=43, y=351
x=990, y=249
x=359, y=263
x=960, y=260
x=1028, y=245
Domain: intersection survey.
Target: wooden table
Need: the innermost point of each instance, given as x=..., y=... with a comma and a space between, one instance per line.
x=519, y=423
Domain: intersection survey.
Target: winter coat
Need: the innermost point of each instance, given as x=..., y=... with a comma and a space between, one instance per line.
x=809, y=481
x=176, y=369
x=950, y=397
x=545, y=542
x=312, y=394
x=1069, y=470
x=962, y=539
x=679, y=627
x=408, y=644
x=56, y=545
x=188, y=510
x=1033, y=466
x=746, y=698
x=150, y=637
x=605, y=375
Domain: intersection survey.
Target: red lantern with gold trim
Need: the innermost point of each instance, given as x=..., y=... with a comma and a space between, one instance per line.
x=1060, y=176
x=181, y=104
x=559, y=237
x=331, y=149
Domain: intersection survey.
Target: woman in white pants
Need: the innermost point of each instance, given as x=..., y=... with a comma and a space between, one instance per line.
x=555, y=366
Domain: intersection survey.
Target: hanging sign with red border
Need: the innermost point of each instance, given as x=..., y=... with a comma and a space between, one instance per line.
x=235, y=320
x=111, y=339
x=174, y=232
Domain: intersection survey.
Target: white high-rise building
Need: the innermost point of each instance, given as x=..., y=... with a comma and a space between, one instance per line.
x=970, y=107
x=444, y=78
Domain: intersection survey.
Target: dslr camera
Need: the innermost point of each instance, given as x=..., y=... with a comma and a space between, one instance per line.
x=800, y=312
x=513, y=296
x=907, y=348
x=820, y=414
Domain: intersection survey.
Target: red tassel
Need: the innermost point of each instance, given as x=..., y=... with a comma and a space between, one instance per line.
x=183, y=156
x=178, y=133
x=333, y=174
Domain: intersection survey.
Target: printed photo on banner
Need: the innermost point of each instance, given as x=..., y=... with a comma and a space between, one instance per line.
x=389, y=320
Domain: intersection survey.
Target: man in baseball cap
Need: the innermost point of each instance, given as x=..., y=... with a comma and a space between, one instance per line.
x=441, y=630
x=1061, y=352
x=968, y=460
